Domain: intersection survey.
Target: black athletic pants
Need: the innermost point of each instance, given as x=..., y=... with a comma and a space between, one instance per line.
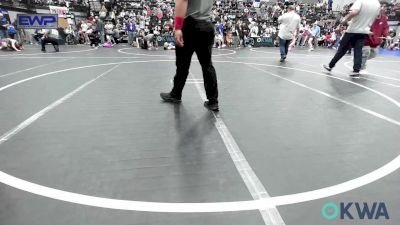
x=198, y=37
x=348, y=41
x=51, y=40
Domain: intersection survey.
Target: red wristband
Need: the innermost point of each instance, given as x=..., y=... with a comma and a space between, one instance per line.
x=178, y=22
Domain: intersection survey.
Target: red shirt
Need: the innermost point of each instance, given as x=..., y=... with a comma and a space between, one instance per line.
x=328, y=37
x=380, y=28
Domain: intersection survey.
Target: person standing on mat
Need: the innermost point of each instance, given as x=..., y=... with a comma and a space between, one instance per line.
x=290, y=26
x=194, y=32
x=380, y=30
x=362, y=15
x=48, y=38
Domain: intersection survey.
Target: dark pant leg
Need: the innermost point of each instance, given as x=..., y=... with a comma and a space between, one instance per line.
x=203, y=49
x=345, y=45
x=358, y=44
x=50, y=40
x=44, y=42
x=282, y=47
x=287, y=46
x=183, y=59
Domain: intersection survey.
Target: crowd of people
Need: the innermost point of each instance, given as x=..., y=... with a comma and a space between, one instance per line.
x=141, y=23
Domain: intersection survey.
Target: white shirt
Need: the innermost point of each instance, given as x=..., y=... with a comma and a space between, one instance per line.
x=290, y=22
x=84, y=27
x=368, y=11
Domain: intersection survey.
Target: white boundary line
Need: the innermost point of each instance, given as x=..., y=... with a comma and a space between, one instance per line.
x=232, y=52
x=270, y=215
x=293, y=53
x=42, y=112
x=50, y=53
x=390, y=120
x=362, y=77
x=206, y=207
x=32, y=68
x=347, y=65
x=72, y=57
x=388, y=61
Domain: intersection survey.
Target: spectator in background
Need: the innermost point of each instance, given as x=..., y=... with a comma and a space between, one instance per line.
x=11, y=31
x=3, y=26
x=103, y=12
x=131, y=30
x=314, y=36
x=330, y=5
x=100, y=29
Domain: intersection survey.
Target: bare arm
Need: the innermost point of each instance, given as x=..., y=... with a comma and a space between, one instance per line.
x=181, y=8
x=353, y=13
x=180, y=13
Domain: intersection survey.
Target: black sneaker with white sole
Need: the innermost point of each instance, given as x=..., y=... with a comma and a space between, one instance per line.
x=355, y=74
x=327, y=68
x=213, y=106
x=168, y=97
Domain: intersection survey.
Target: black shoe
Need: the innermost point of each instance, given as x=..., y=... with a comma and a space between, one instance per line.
x=327, y=68
x=167, y=97
x=211, y=106
x=282, y=59
x=355, y=74
x=44, y=50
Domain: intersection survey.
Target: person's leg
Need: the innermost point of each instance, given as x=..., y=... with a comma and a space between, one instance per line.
x=2, y=34
x=374, y=53
x=102, y=37
x=183, y=59
x=54, y=42
x=366, y=52
x=287, y=47
x=345, y=44
x=358, y=40
x=310, y=43
x=282, y=48
x=203, y=50
x=133, y=37
x=130, y=38
x=44, y=42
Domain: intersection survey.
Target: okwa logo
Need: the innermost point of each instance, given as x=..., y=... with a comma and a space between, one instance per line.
x=355, y=211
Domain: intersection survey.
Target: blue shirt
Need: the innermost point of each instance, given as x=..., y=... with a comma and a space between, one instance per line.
x=316, y=32
x=131, y=27
x=220, y=28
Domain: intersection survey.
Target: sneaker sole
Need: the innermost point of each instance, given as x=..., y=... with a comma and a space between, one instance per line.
x=213, y=109
x=171, y=100
x=326, y=68
x=355, y=76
